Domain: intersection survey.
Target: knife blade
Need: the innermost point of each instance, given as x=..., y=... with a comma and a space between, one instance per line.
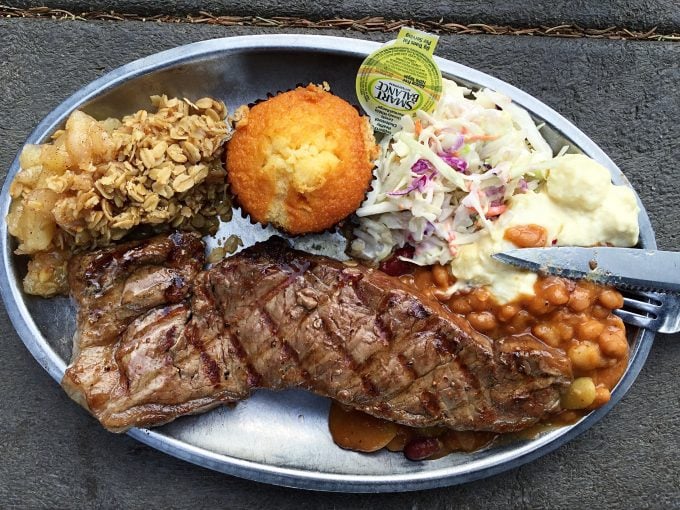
x=628, y=268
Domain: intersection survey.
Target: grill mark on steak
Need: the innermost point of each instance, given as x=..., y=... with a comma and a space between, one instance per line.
x=273, y=317
x=281, y=353
x=405, y=337
x=253, y=377
x=383, y=335
x=368, y=386
x=337, y=343
x=193, y=336
x=210, y=367
x=408, y=365
x=170, y=338
x=467, y=374
x=383, y=330
x=288, y=353
x=431, y=403
x=176, y=248
x=327, y=362
x=321, y=320
x=179, y=247
x=147, y=328
x=447, y=347
x=174, y=293
x=463, y=382
x=208, y=293
x=114, y=286
x=97, y=266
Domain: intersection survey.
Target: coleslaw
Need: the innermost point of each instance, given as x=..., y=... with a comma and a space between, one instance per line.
x=445, y=177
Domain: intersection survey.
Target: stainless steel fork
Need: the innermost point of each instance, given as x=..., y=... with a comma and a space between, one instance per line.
x=655, y=311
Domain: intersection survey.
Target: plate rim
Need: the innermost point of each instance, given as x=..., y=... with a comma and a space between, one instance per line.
x=295, y=477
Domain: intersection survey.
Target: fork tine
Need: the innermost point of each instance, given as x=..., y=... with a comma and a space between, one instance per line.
x=652, y=308
x=653, y=297
x=635, y=319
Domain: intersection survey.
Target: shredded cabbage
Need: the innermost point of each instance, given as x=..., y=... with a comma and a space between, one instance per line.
x=445, y=177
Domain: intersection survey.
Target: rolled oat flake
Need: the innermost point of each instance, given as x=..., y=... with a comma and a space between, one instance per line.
x=399, y=79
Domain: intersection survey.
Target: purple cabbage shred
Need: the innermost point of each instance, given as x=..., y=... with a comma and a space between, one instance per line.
x=416, y=184
x=458, y=164
x=422, y=166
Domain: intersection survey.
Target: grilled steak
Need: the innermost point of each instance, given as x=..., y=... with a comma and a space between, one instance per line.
x=158, y=339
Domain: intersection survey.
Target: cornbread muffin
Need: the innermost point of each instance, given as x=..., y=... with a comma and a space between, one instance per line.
x=301, y=160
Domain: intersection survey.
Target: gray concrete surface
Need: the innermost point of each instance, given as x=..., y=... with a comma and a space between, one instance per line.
x=632, y=14
x=622, y=94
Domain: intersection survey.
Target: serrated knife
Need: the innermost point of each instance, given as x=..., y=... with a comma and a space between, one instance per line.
x=627, y=268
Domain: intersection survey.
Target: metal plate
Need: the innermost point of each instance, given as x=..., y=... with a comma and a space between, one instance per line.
x=281, y=437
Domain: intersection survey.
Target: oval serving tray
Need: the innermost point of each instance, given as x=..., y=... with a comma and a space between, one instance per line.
x=282, y=438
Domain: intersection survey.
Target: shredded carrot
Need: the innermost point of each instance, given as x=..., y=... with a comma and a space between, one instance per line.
x=480, y=138
x=419, y=127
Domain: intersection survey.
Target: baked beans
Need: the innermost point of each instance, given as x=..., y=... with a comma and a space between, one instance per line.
x=573, y=316
x=527, y=236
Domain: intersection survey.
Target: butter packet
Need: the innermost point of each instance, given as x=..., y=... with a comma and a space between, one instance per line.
x=399, y=78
